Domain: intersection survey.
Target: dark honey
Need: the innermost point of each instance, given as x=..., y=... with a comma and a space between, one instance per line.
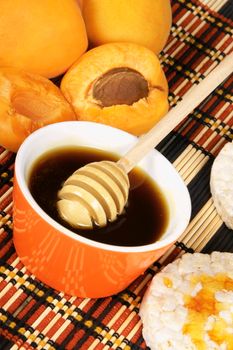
x=146, y=214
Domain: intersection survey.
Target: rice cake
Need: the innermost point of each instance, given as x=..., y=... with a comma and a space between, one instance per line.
x=221, y=184
x=189, y=304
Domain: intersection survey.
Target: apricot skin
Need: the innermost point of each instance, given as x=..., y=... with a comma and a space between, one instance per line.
x=80, y=3
x=144, y=22
x=41, y=36
x=137, y=118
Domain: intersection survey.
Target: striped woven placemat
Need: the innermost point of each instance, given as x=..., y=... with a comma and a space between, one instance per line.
x=34, y=316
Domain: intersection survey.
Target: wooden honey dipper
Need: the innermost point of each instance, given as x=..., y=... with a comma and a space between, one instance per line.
x=97, y=193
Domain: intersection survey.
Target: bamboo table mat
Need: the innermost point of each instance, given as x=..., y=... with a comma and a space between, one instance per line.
x=34, y=316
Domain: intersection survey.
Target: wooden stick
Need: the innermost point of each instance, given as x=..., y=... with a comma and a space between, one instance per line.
x=201, y=216
x=200, y=231
x=191, y=100
x=210, y=231
x=191, y=174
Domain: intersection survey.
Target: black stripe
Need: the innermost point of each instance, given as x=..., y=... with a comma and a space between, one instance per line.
x=8, y=343
x=227, y=10
x=182, y=246
x=140, y=344
x=4, y=180
x=222, y=241
x=9, y=253
x=10, y=161
x=5, y=240
x=199, y=188
x=173, y=145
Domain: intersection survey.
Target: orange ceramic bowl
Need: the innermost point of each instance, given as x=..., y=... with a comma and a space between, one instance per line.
x=69, y=262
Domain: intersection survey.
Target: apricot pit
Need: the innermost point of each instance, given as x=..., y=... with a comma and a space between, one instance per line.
x=120, y=86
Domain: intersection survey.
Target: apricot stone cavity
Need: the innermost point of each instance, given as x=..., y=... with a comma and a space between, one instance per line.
x=120, y=86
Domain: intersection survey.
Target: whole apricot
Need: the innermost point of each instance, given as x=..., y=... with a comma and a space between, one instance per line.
x=119, y=84
x=41, y=36
x=144, y=22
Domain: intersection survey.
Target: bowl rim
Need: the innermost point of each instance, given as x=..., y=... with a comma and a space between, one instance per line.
x=21, y=180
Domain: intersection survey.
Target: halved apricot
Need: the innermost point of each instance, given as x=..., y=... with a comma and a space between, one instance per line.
x=28, y=102
x=119, y=84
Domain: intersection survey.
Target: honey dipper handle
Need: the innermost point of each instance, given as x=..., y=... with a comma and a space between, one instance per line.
x=190, y=100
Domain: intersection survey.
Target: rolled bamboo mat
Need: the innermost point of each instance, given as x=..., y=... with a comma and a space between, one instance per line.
x=34, y=316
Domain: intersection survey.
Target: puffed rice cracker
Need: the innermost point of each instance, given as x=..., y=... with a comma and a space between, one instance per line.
x=221, y=184
x=189, y=304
